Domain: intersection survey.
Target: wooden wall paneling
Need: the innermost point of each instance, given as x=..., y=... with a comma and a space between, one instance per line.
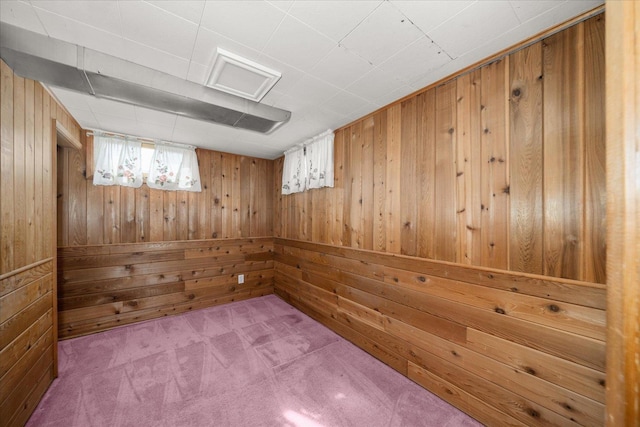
x=367, y=183
x=236, y=197
x=347, y=174
x=7, y=215
x=495, y=165
x=227, y=193
x=199, y=203
x=246, y=203
x=594, y=228
x=338, y=191
x=142, y=214
x=49, y=176
x=182, y=215
x=278, y=205
x=445, y=173
x=127, y=215
x=267, y=211
x=78, y=206
x=526, y=165
x=379, y=181
x=257, y=189
x=39, y=148
x=468, y=167
x=217, y=197
x=30, y=155
x=170, y=213
x=426, y=164
x=355, y=171
x=563, y=64
x=408, y=202
x=623, y=212
x=19, y=173
x=95, y=215
x=111, y=225
x=62, y=199
x=393, y=190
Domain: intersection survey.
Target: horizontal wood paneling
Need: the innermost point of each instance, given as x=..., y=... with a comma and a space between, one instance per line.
x=103, y=286
x=27, y=268
x=233, y=203
x=501, y=167
x=517, y=354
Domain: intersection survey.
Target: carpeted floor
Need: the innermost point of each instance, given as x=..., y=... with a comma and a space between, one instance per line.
x=258, y=362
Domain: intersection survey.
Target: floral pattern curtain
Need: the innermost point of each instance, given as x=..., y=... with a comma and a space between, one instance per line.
x=320, y=161
x=117, y=161
x=174, y=168
x=309, y=165
x=294, y=172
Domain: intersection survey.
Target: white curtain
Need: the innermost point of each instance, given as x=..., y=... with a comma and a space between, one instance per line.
x=309, y=165
x=174, y=168
x=294, y=172
x=117, y=161
x=320, y=161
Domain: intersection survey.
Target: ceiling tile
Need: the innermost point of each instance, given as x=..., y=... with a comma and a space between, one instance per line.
x=71, y=31
x=21, y=15
x=333, y=18
x=71, y=99
x=86, y=119
x=298, y=45
x=375, y=84
x=101, y=106
x=468, y=30
x=190, y=10
x=427, y=15
x=250, y=23
x=394, y=95
x=156, y=59
x=351, y=67
x=527, y=9
x=345, y=103
x=382, y=34
x=416, y=60
x=147, y=25
x=118, y=124
x=146, y=115
x=312, y=91
x=283, y=5
x=99, y=14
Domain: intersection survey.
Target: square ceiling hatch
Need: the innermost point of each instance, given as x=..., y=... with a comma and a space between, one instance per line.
x=239, y=76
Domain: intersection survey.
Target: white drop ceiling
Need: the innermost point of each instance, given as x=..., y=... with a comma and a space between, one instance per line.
x=339, y=59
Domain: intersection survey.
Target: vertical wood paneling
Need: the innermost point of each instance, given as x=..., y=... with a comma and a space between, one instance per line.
x=29, y=171
x=111, y=224
x=379, y=181
x=393, y=190
x=169, y=213
x=217, y=197
x=526, y=160
x=27, y=239
x=78, y=206
x=7, y=216
x=563, y=152
x=337, y=194
x=355, y=176
x=367, y=182
x=182, y=215
x=408, y=203
x=469, y=166
x=143, y=229
x=426, y=159
x=594, y=228
x=127, y=215
x=495, y=166
x=445, y=192
x=19, y=173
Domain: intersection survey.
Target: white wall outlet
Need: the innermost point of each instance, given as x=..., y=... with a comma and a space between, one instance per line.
x=240, y=278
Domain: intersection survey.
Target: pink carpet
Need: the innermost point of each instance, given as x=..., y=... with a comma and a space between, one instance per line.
x=258, y=362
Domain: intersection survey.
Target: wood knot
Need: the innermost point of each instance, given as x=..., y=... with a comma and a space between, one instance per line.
x=214, y=235
x=516, y=92
x=499, y=310
x=506, y=190
x=490, y=276
x=529, y=370
x=554, y=308
x=459, y=173
x=128, y=267
x=532, y=412
x=453, y=352
x=422, y=279
x=451, y=131
x=566, y=406
x=486, y=130
x=407, y=224
x=395, y=279
x=514, y=289
x=191, y=296
x=602, y=382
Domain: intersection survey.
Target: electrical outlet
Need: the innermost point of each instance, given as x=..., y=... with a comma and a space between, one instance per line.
x=240, y=278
